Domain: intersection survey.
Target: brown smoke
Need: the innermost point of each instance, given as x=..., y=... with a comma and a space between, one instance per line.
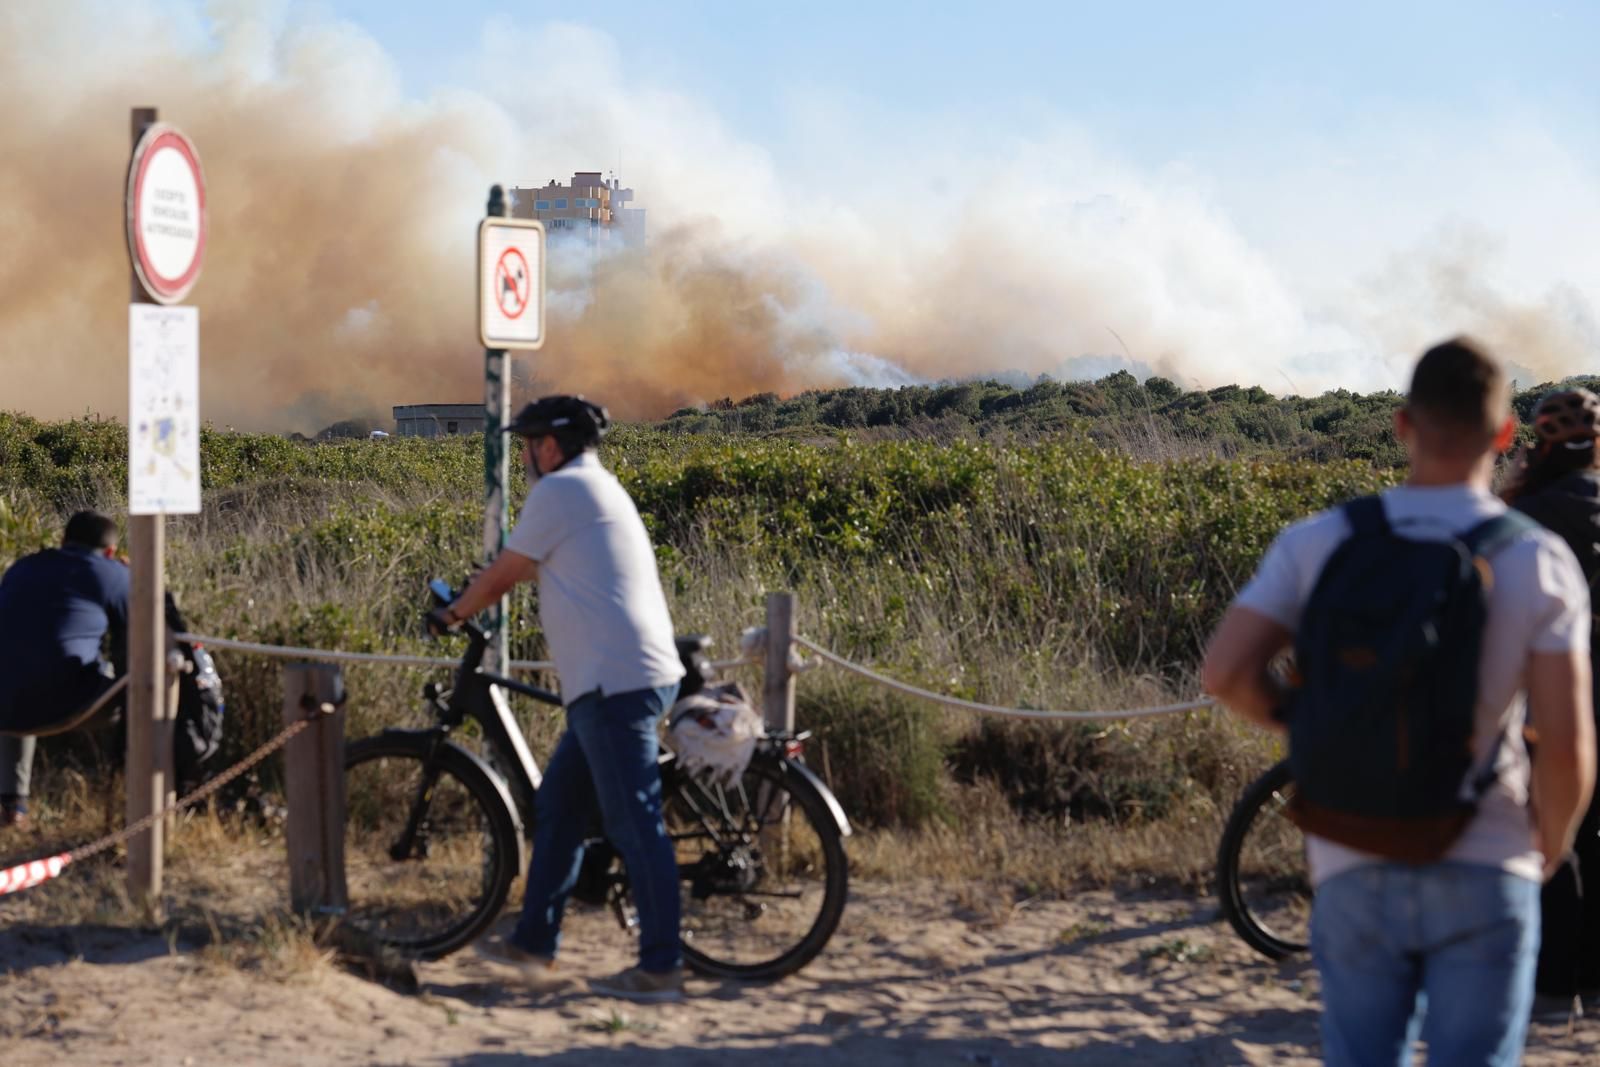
x=340, y=275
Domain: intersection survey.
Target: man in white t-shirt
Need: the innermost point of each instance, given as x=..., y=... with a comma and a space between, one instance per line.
x=605, y=619
x=1445, y=950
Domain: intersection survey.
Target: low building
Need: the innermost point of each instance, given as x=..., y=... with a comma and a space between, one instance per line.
x=438, y=420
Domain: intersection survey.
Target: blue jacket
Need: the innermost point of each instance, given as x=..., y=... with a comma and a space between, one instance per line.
x=55, y=608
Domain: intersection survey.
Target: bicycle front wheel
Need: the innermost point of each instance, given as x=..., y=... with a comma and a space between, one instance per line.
x=431, y=847
x=763, y=867
x=1262, y=879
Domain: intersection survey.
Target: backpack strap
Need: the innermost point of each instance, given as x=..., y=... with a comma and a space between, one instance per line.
x=1366, y=517
x=1493, y=534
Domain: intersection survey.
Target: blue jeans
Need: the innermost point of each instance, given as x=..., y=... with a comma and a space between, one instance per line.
x=605, y=763
x=1446, y=951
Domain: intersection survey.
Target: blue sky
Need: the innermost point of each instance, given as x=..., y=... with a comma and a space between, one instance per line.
x=1159, y=80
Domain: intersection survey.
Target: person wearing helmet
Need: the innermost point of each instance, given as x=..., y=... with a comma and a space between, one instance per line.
x=1556, y=481
x=605, y=619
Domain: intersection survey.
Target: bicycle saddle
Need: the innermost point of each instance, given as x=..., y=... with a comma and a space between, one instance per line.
x=691, y=644
x=692, y=651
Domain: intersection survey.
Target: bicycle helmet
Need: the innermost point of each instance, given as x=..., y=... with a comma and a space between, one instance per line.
x=1568, y=416
x=572, y=419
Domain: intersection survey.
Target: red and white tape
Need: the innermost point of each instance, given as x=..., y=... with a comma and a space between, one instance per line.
x=28, y=875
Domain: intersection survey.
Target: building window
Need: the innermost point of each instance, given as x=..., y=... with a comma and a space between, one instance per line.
x=561, y=205
x=541, y=205
x=452, y=426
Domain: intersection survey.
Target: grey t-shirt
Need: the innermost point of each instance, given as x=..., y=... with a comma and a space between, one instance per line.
x=1539, y=602
x=600, y=600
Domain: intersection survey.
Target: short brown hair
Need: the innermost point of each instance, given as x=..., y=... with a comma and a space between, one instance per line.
x=1459, y=391
x=90, y=529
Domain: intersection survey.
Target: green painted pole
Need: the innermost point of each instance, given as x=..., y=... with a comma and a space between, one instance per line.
x=496, y=469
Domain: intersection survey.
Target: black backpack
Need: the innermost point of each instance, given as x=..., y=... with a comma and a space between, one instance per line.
x=1381, y=725
x=197, y=732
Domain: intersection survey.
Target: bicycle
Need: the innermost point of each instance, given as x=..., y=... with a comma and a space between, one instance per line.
x=1262, y=880
x=434, y=837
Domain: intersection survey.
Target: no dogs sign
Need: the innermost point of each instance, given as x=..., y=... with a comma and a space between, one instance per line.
x=511, y=283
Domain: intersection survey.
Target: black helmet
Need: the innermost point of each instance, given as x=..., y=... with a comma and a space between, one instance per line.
x=572, y=419
x=1567, y=416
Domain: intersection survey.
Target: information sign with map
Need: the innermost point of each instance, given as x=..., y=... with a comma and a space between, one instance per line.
x=163, y=410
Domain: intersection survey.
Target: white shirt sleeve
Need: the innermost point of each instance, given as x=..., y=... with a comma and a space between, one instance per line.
x=1561, y=617
x=544, y=523
x=1287, y=573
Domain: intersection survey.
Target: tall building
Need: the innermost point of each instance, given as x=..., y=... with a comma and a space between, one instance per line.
x=591, y=206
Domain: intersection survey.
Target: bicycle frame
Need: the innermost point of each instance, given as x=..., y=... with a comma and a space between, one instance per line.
x=477, y=695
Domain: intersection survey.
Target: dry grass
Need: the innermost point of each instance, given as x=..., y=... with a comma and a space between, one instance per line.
x=987, y=843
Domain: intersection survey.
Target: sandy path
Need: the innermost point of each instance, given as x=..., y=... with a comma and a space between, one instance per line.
x=912, y=977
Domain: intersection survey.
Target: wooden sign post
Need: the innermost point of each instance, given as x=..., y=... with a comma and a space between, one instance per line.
x=165, y=205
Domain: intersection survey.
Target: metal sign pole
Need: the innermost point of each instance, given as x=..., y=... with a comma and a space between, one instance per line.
x=496, y=470
x=148, y=760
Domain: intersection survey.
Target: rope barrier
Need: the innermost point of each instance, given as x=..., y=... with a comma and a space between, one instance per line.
x=34, y=872
x=994, y=709
x=324, y=655
x=331, y=656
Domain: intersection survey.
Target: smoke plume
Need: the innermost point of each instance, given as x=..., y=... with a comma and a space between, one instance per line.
x=342, y=210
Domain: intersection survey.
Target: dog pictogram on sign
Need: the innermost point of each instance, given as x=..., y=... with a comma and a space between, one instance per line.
x=511, y=283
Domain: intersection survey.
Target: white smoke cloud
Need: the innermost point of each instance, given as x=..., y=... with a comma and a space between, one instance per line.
x=846, y=249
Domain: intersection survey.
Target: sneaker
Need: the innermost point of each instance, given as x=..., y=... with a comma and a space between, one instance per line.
x=11, y=819
x=537, y=973
x=638, y=984
x=1555, y=1008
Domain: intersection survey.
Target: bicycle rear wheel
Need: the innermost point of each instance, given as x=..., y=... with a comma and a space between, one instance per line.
x=764, y=870
x=431, y=847
x=1262, y=879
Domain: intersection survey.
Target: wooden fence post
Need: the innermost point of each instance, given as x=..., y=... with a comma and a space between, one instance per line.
x=314, y=782
x=778, y=679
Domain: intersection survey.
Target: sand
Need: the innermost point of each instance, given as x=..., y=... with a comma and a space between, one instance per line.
x=922, y=974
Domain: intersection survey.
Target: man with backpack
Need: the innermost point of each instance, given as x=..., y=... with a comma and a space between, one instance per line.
x=1418, y=620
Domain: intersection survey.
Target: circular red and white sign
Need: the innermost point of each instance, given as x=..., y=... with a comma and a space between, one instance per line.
x=166, y=213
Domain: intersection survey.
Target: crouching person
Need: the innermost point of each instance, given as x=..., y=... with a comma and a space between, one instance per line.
x=56, y=608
